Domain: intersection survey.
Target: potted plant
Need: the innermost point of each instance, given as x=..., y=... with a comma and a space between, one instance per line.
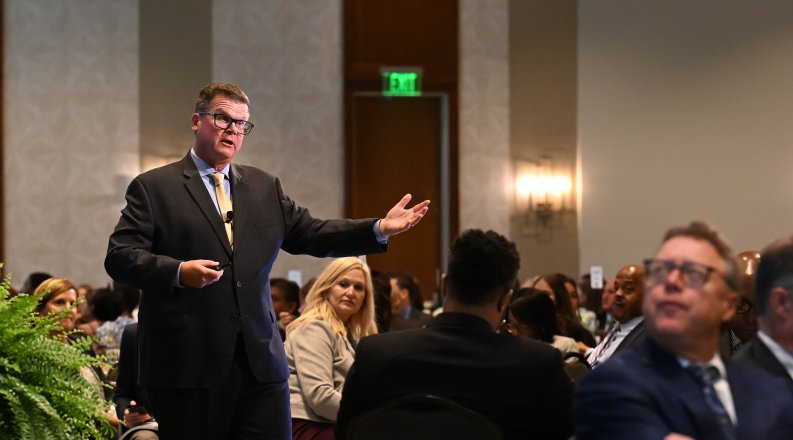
x=42, y=393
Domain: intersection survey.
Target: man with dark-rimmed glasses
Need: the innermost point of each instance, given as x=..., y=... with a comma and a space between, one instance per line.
x=675, y=385
x=200, y=237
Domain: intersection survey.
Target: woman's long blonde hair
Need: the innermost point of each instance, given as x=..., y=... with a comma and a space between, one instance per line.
x=361, y=323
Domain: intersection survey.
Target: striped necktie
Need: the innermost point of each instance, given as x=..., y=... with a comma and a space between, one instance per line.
x=595, y=358
x=225, y=205
x=706, y=376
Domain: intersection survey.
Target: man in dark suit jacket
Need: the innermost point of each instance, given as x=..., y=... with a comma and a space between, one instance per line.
x=201, y=250
x=772, y=349
x=518, y=383
x=128, y=391
x=406, y=303
x=653, y=390
x=627, y=310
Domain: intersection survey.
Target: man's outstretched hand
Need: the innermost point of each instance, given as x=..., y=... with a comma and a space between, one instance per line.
x=400, y=219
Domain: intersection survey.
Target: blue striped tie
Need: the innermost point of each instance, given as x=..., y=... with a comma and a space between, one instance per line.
x=706, y=376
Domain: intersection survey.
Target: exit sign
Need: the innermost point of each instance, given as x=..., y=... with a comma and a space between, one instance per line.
x=401, y=81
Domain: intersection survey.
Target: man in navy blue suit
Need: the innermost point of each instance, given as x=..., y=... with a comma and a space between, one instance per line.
x=675, y=385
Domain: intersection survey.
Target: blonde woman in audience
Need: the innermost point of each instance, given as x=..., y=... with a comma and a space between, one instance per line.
x=320, y=344
x=56, y=295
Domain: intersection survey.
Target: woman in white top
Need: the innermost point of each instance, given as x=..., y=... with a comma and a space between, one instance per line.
x=533, y=315
x=320, y=344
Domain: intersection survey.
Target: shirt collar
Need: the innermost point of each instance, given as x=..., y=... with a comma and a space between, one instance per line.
x=783, y=356
x=628, y=327
x=204, y=169
x=716, y=361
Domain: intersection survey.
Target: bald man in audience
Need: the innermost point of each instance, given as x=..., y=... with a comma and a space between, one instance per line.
x=628, y=327
x=675, y=384
x=772, y=349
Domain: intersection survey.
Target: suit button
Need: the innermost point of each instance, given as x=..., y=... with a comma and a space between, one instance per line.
x=239, y=283
x=234, y=317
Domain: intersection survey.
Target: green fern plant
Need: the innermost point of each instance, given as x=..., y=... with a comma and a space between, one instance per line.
x=42, y=394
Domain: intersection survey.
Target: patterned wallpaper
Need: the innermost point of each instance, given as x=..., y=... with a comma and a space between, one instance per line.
x=485, y=170
x=71, y=132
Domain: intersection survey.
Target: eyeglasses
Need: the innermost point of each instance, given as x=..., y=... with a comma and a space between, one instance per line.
x=224, y=122
x=691, y=274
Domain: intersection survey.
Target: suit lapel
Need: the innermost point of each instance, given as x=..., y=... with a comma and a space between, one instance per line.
x=699, y=419
x=764, y=357
x=632, y=337
x=198, y=191
x=740, y=385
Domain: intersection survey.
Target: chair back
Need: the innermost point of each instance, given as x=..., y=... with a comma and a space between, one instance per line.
x=576, y=366
x=422, y=417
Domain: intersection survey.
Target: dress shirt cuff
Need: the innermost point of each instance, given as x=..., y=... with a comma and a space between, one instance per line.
x=176, y=282
x=380, y=238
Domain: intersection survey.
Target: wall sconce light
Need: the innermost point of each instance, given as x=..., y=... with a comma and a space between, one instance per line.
x=543, y=195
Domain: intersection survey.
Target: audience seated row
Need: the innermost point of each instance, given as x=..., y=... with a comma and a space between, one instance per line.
x=494, y=359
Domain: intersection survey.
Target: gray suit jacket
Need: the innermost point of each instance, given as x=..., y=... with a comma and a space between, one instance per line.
x=318, y=360
x=187, y=336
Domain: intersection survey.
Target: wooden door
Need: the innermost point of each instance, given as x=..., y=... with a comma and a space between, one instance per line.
x=398, y=147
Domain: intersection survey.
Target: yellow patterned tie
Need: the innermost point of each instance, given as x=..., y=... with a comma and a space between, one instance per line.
x=225, y=205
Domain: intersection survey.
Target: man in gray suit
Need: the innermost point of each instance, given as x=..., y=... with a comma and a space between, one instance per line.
x=772, y=349
x=199, y=237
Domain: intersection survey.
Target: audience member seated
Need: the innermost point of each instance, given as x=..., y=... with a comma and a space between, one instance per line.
x=304, y=289
x=604, y=316
x=406, y=303
x=553, y=285
x=628, y=328
x=531, y=314
x=131, y=400
x=286, y=302
x=33, y=280
x=585, y=317
x=590, y=296
x=85, y=320
x=382, y=301
x=320, y=344
x=675, y=384
x=518, y=383
x=55, y=296
x=108, y=308
x=742, y=328
x=772, y=349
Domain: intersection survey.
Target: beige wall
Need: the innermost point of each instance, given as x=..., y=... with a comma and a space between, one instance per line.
x=684, y=113
x=70, y=131
x=542, y=115
x=484, y=171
